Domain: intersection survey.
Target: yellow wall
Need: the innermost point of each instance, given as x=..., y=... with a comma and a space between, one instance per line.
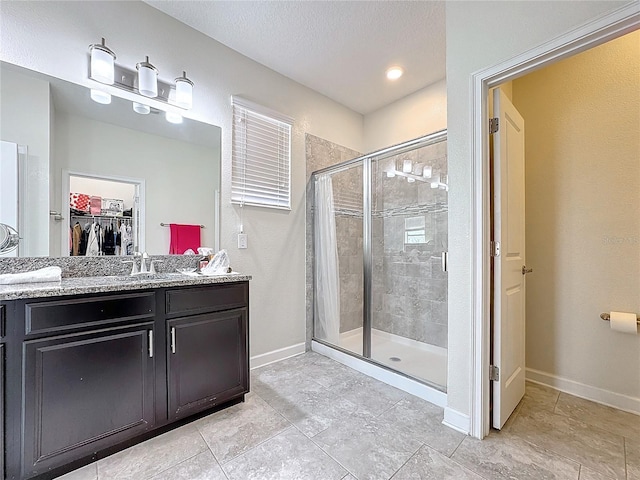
x=582, y=124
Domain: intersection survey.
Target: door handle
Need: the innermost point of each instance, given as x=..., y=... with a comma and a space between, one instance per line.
x=173, y=339
x=445, y=261
x=150, y=343
x=526, y=270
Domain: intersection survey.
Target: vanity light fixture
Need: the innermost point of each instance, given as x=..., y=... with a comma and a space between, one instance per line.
x=407, y=166
x=427, y=171
x=141, y=81
x=141, y=108
x=435, y=181
x=147, y=79
x=101, y=97
x=102, y=63
x=394, y=73
x=184, y=91
x=173, y=117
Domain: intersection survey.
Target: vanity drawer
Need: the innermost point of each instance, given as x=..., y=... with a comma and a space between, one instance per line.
x=61, y=315
x=210, y=298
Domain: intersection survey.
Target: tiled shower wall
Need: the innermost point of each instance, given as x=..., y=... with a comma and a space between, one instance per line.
x=322, y=153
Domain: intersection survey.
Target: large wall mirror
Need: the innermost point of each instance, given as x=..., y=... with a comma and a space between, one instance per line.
x=148, y=172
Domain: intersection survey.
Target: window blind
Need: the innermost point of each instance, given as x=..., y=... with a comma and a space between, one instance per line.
x=261, y=156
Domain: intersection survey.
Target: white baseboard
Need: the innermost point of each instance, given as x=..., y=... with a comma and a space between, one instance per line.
x=456, y=420
x=390, y=378
x=276, y=355
x=588, y=392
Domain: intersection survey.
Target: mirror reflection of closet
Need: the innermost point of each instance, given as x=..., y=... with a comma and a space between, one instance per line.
x=104, y=216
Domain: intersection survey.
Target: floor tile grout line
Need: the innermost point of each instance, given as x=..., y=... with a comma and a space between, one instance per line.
x=331, y=456
x=587, y=426
x=464, y=467
x=252, y=448
x=557, y=454
x=408, y=460
x=457, y=447
x=349, y=472
x=213, y=454
x=555, y=404
x=597, y=404
x=257, y=445
x=183, y=460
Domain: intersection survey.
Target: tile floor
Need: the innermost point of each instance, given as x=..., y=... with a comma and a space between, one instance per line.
x=309, y=417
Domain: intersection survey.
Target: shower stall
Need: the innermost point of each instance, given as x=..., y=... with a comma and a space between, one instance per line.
x=380, y=258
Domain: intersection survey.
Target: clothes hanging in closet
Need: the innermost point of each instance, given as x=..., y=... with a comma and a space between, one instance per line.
x=93, y=249
x=76, y=237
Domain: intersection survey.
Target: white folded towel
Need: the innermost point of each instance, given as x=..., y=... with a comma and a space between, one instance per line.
x=47, y=274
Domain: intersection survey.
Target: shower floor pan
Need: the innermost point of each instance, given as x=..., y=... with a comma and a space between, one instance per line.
x=411, y=357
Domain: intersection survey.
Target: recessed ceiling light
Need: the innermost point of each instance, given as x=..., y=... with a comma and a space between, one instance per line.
x=394, y=73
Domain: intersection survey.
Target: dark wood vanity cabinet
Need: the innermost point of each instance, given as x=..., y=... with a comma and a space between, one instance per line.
x=206, y=360
x=84, y=392
x=89, y=375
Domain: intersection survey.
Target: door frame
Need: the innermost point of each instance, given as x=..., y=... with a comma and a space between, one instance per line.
x=140, y=191
x=600, y=30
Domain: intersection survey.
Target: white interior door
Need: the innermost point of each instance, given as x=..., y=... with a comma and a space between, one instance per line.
x=509, y=260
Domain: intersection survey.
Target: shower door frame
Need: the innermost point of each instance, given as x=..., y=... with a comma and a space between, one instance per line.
x=367, y=258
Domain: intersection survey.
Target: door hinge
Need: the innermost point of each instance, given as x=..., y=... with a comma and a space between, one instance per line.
x=495, y=249
x=494, y=125
x=494, y=373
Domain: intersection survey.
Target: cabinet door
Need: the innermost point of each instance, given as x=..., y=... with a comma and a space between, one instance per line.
x=207, y=360
x=84, y=392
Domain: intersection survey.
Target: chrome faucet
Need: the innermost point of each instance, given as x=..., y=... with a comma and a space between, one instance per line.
x=143, y=264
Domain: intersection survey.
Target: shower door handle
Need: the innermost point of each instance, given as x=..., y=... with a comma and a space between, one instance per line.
x=445, y=261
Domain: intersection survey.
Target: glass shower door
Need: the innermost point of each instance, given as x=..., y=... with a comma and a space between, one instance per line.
x=338, y=254
x=409, y=242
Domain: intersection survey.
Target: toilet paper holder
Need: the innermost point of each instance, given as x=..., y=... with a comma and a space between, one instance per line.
x=606, y=317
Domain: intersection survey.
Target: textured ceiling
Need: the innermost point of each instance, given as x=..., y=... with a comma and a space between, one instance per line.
x=338, y=48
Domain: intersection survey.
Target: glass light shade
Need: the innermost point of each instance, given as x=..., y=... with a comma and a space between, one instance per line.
x=100, y=97
x=173, y=117
x=427, y=171
x=184, y=91
x=435, y=181
x=411, y=180
x=407, y=166
x=102, y=63
x=391, y=173
x=147, y=79
x=141, y=108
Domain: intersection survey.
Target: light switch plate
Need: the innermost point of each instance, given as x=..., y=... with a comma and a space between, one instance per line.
x=242, y=240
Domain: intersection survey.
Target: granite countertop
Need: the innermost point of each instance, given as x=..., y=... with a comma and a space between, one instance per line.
x=82, y=285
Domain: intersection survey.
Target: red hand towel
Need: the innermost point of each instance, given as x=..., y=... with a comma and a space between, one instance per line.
x=184, y=237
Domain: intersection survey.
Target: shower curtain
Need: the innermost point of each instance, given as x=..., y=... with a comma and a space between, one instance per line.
x=327, y=279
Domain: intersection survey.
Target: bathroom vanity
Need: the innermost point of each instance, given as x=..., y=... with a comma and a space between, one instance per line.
x=95, y=365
